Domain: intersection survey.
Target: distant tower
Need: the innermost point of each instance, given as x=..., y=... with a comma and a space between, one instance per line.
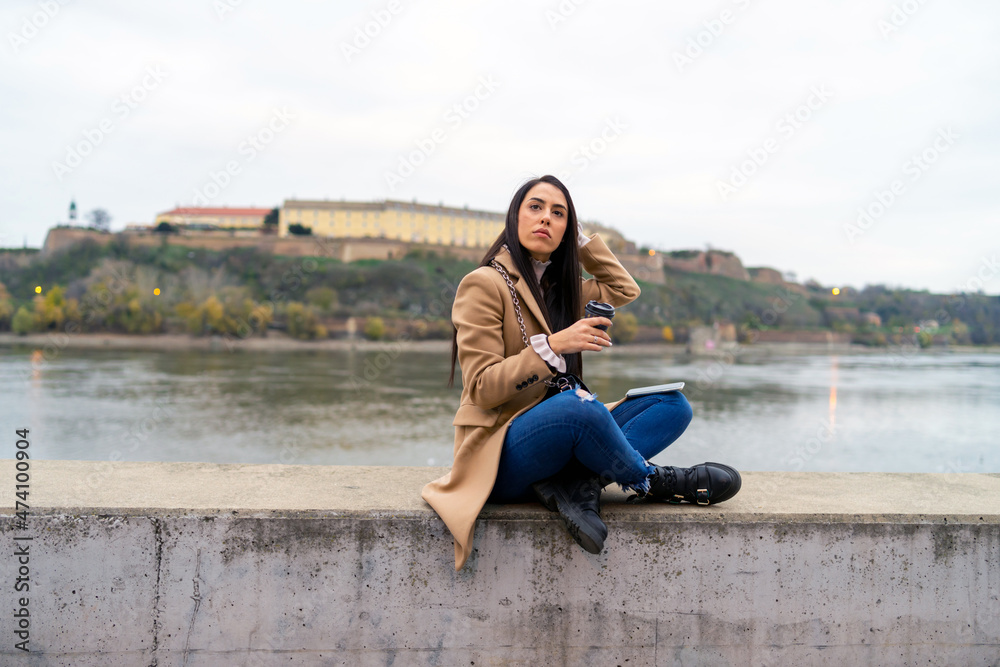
x=72, y=211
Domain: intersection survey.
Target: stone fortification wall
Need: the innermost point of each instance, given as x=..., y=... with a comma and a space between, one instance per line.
x=347, y=250
x=765, y=275
x=712, y=262
x=649, y=269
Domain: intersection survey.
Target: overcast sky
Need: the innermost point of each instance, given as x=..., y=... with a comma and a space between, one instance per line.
x=760, y=127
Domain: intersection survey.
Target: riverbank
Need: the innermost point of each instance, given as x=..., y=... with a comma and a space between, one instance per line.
x=279, y=342
x=274, y=342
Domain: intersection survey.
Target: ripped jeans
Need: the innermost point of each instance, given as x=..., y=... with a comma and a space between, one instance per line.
x=616, y=445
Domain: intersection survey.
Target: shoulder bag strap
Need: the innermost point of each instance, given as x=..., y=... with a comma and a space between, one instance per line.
x=562, y=381
x=517, y=303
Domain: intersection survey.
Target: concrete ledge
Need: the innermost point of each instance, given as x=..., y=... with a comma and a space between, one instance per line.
x=203, y=564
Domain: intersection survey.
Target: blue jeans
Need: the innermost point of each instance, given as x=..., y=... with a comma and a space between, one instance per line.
x=616, y=445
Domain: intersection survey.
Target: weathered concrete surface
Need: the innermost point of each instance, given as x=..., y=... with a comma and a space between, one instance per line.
x=197, y=564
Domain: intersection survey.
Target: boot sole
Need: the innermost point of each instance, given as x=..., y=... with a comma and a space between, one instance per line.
x=555, y=500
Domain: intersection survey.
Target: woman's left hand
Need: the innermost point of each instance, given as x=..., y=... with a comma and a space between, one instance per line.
x=581, y=335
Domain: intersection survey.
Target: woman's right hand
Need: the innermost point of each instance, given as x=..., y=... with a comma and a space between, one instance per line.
x=581, y=335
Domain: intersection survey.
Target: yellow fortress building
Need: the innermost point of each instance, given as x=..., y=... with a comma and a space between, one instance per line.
x=220, y=217
x=397, y=220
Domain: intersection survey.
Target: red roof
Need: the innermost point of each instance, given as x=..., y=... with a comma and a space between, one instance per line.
x=217, y=211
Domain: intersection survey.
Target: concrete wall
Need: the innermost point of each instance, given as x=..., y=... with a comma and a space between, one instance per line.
x=197, y=564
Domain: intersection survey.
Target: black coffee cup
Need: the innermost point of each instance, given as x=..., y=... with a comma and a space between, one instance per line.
x=598, y=309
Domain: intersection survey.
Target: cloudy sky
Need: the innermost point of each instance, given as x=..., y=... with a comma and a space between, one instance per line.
x=853, y=142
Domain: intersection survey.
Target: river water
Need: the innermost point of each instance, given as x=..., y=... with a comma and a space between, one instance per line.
x=916, y=413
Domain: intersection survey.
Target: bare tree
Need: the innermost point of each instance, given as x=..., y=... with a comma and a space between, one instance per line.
x=99, y=219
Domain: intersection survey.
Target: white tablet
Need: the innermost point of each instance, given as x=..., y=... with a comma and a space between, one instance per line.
x=655, y=389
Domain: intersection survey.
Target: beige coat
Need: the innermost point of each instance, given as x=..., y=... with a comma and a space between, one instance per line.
x=502, y=378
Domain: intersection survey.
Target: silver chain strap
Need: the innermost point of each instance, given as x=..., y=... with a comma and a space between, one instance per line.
x=517, y=304
x=561, y=383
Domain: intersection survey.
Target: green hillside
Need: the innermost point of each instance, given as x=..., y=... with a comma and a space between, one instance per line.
x=243, y=292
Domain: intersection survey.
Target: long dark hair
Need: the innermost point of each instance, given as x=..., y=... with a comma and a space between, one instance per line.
x=558, y=294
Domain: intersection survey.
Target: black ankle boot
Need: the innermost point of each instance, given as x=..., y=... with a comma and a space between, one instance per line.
x=704, y=484
x=575, y=492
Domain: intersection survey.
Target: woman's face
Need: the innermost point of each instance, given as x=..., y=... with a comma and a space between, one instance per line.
x=542, y=220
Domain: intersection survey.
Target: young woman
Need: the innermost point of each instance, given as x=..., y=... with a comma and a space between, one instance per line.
x=518, y=325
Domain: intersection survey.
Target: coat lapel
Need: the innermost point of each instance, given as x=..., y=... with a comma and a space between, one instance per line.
x=522, y=289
